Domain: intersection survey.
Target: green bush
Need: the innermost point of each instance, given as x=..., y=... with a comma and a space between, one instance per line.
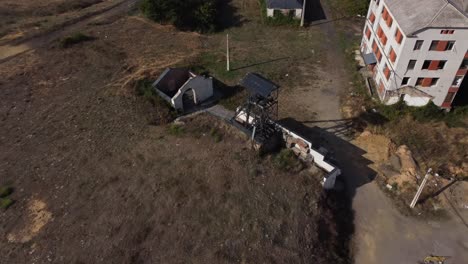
x=176, y=130
x=5, y=203
x=5, y=191
x=197, y=15
x=217, y=136
x=74, y=39
x=427, y=113
x=286, y=160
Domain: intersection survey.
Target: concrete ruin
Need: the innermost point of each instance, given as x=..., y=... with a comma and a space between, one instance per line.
x=258, y=116
x=183, y=89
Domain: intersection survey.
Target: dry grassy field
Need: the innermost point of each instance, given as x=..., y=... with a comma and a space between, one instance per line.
x=96, y=180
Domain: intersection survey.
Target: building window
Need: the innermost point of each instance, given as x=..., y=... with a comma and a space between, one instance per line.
x=386, y=71
x=419, y=81
x=411, y=64
x=434, y=81
x=433, y=65
x=405, y=81
x=418, y=44
x=441, y=45
x=389, y=21
x=372, y=18
x=426, y=64
x=441, y=64
x=450, y=45
x=384, y=40
x=434, y=45
x=464, y=64
x=393, y=55
x=368, y=33
x=457, y=81
x=445, y=31
x=398, y=36
x=449, y=97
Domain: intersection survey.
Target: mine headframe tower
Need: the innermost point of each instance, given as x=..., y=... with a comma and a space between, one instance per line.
x=260, y=111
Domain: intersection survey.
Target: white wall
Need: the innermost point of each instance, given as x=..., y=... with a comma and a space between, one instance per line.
x=446, y=76
x=297, y=12
x=202, y=88
x=405, y=53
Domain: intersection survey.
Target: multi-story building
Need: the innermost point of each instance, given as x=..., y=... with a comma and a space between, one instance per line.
x=417, y=49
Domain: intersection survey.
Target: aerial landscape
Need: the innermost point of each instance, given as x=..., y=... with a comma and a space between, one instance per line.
x=234, y=131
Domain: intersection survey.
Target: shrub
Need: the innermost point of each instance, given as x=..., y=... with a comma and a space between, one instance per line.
x=176, y=130
x=5, y=203
x=427, y=113
x=74, y=39
x=217, y=136
x=5, y=191
x=286, y=160
x=197, y=15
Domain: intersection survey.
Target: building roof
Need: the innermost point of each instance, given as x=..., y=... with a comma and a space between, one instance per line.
x=284, y=4
x=258, y=85
x=413, y=16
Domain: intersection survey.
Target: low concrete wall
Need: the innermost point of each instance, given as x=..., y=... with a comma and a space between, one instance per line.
x=305, y=148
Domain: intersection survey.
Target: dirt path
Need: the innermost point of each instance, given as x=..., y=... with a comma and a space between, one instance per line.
x=381, y=233
x=11, y=50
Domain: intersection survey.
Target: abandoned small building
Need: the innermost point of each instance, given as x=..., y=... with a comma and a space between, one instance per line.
x=183, y=89
x=286, y=7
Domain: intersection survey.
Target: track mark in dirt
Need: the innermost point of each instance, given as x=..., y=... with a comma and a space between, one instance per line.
x=10, y=51
x=38, y=217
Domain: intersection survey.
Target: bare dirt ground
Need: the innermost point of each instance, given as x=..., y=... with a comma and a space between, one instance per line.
x=94, y=182
x=24, y=19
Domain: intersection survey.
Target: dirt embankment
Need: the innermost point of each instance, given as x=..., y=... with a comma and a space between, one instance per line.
x=400, y=174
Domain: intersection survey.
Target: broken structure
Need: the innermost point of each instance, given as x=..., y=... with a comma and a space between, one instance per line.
x=258, y=115
x=183, y=89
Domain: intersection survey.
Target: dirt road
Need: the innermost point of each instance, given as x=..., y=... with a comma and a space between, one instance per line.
x=381, y=233
x=13, y=48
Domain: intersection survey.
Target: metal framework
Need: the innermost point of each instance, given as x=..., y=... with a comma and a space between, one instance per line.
x=260, y=111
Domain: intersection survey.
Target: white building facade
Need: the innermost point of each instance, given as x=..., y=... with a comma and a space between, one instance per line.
x=420, y=49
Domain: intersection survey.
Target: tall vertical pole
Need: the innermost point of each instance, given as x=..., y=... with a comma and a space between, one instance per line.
x=227, y=53
x=421, y=187
x=303, y=13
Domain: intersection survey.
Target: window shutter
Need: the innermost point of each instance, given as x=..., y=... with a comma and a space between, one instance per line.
x=442, y=45
x=384, y=40
x=381, y=87
x=426, y=82
x=372, y=18
x=387, y=73
x=399, y=36
x=433, y=65
x=389, y=21
x=392, y=55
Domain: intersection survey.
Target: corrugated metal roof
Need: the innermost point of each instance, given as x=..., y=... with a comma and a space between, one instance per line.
x=258, y=85
x=284, y=4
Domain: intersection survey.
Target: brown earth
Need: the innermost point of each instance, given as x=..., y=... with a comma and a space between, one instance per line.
x=21, y=19
x=95, y=182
